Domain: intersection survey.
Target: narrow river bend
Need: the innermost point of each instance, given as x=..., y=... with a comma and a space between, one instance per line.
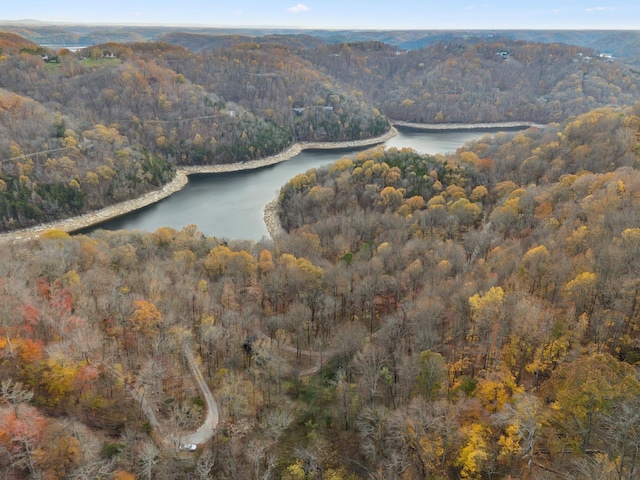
x=230, y=205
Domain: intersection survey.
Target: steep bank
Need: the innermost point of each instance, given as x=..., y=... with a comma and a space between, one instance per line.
x=272, y=218
x=463, y=126
x=178, y=182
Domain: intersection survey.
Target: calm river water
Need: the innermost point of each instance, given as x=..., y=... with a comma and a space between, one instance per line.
x=230, y=205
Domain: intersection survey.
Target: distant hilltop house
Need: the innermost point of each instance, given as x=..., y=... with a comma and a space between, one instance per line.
x=301, y=110
x=606, y=57
x=47, y=59
x=503, y=54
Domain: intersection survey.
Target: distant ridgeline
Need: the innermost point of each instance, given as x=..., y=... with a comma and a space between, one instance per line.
x=619, y=43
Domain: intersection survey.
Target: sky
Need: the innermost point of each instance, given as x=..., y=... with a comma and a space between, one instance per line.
x=337, y=14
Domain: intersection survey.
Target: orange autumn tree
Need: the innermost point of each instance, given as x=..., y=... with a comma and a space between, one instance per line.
x=144, y=323
x=21, y=435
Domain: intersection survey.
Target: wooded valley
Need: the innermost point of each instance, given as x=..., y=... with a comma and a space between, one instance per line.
x=473, y=315
x=108, y=123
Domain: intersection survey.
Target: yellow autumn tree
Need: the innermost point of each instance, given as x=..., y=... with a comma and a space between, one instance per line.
x=581, y=291
x=485, y=309
x=295, y=471
x=241, y=265
x=467, y=213
x=391, y=198
x=486, y=318
x=478, y=193
x=216, y=262
x=265, y=262
x=495, y=389
x=58, y=377
x=474, y=454
x=535, y=265
x=145, y=318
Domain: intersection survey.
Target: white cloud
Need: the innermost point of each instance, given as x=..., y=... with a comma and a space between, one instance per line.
x=599, y=9
x=300, y=7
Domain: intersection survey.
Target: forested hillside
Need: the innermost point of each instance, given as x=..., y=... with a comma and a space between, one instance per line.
x=463, y=316
x=471, y=82
x=472, y=315
x=271, y=80
x=10, y=42
x=82, y=130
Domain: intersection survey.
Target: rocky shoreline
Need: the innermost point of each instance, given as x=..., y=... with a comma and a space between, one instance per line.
x=179, y=181
x=271, y=216
x=270, y=210
x=463, y=126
